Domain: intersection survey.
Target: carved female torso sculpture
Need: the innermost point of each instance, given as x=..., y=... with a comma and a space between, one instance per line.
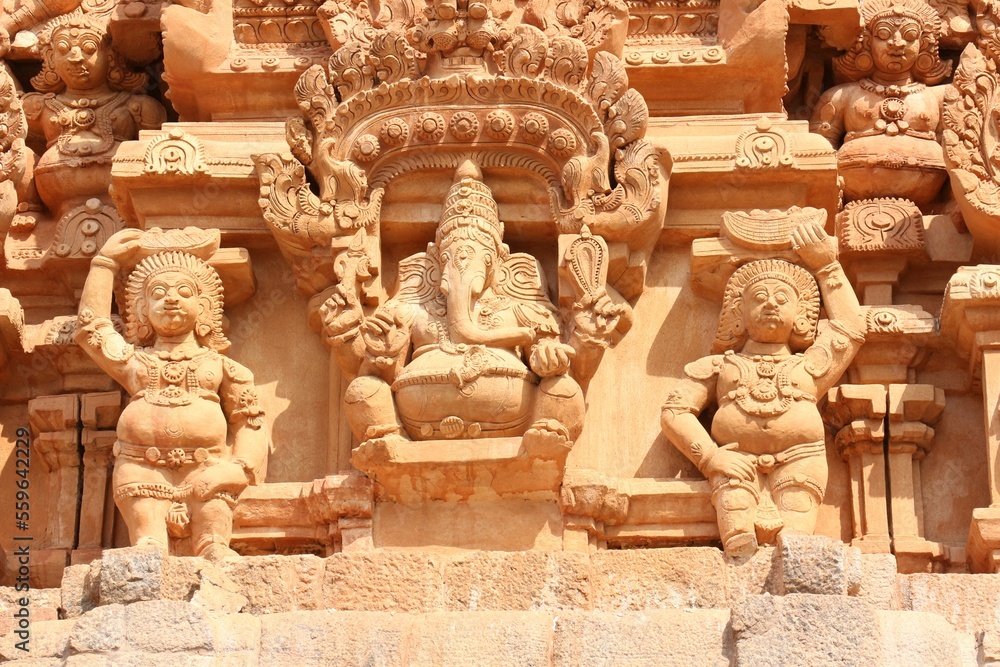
x=88, y=103
x=889, y=116
x=766, y=455
x=192, y=436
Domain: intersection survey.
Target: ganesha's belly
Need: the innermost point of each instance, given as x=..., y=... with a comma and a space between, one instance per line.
x=481, y=393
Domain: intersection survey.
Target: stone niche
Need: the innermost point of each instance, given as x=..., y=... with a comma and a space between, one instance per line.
x=460, y=332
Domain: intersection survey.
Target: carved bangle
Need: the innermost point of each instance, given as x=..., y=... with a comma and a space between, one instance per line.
x=696, y=447
x=106, y=263
x=827, y=269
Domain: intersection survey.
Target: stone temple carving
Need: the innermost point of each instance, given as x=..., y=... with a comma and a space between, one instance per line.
x=887, y=117
x=766, y=455
x=192, y=438
x=468, y=347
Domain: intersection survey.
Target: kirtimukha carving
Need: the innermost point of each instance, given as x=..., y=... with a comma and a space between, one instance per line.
x=193, y=436
x=88, y=102
x=888, y=115
x=469, y=347
x=766, y=455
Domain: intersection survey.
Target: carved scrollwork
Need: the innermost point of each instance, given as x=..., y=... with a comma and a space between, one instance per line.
x=176, y=153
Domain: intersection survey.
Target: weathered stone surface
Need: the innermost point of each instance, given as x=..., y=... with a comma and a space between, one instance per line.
x=657, y=637
x=532, y=580
x=910, y=638
x=274, y=584
x=971, y=603
x=305, y=638
x=80, y=591
x=101, y=629
x=500, y=639
x=879, y=585
x=658, y=578
x=49, y=639
x=167, y=626
x=383, y=581
x=751, y=576
x=797, y=630
x=818, y=565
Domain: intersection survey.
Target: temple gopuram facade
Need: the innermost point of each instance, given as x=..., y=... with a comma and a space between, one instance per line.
x=500, y=332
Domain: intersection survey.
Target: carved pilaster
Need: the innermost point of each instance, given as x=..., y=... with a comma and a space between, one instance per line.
x=99, y=414
x=859, y=412
x=912, y=408
x=54, y=422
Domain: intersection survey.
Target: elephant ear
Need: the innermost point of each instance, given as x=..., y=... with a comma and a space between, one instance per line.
x=419, y=279
x=520, y=279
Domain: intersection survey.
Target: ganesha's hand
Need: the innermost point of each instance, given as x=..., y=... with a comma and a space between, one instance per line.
x=600, y=318
x=219, y=476
x=385, y=336
x=550, y=357
x=122, y=247
x=813, y=245
x=341, y=315
x=726, y=461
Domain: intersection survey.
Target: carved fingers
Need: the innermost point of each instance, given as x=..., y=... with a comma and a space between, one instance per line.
x=601, y=318
x=385, y=336
x=726, y=461
x=550, y=357
x=123, y=246
x=813, y=245
x=341, y=313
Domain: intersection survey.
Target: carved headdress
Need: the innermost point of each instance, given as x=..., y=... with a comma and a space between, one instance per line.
x=470, y=211
x=192, y=249
x=79, y=28
x=732, y=334
x=858, y=63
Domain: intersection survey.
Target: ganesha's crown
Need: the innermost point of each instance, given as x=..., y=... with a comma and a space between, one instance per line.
x=469, y=209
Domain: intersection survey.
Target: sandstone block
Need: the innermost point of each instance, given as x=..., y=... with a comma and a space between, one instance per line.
x=531, y=580
x=878, y=581
x=817, y=564
x=913, y=638
x=501, y=639
x=383, y=581
x=80, y=591
x=969, y=602
x=306, y=638
x=751, y=576
x=100, y=629
x=652, y=638
x=161, y=626
x=274, y=584
x=658, y=578
x=49, y=639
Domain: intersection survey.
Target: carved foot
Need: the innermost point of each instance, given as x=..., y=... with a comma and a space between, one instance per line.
x=547, y=439
x=217, y=552
x=377, y=451
x=741, y=545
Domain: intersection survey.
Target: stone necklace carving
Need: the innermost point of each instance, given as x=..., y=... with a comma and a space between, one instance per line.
x=173, y=377
x=893, y=108
x=764, y=388
x=86, y=115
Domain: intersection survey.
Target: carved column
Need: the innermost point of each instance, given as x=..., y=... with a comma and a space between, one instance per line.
x=970, y=316
x=912, y=408
x=55, y=442
x=99, y=414
x=859, y=412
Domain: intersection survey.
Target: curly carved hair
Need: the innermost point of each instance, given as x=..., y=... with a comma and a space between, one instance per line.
x=858, y=63
x=208, y=330
x=120, y=77
x=732, y=334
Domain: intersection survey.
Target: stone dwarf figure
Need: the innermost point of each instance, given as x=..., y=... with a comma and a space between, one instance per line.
x=469, y=347
x=193, y=436
x=87, y=103
x=887, y=116
x=766, y=456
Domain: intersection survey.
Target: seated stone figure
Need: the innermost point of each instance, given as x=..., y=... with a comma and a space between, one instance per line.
x=88, y=103
x=766, y=456
x=469, y=347
x=887, y=117
x=192, y=437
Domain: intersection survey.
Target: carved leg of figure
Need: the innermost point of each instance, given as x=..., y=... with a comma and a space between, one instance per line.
x=142, y=494
x=371, y=410
x=560, y=398
x=212, y=528
x=798, y=488
x=735, y=505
